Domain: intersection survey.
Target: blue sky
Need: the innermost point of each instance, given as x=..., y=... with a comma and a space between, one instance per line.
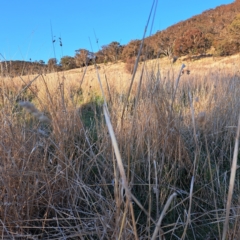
x=25, y=29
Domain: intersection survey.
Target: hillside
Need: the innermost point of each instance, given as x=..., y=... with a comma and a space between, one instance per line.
x=16, y=68
x=215, y=32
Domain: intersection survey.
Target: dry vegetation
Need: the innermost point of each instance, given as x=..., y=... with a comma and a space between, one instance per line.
x=62, y=179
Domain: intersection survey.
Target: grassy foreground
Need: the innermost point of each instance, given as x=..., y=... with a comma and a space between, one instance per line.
x=63, y=176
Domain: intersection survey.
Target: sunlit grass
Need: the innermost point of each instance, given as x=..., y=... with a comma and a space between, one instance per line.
x=59, y=173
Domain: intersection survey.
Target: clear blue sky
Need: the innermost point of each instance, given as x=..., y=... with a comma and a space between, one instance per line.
x=25, y=29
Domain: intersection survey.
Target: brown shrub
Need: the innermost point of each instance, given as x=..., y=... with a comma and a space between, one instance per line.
x=129, y=65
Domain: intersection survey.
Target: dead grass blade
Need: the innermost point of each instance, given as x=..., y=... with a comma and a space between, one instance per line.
x=120, y=165
x=176, y=84
x=232, y=180
x=137, y=61
x=27, y=86
x=189, y=209
x=158, y=226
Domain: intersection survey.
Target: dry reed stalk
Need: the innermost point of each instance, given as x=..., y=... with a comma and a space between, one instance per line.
x=118, y=201
x=158, y=225
x=101, y=87
x=232, y=180
x=137, y=61
x=156, y=187
x=176, y=85
x=193, y=124
x=120, y=166
x=189, y=209
x=136, y=100
x=27, y=85
x=211, y=178
x=149, y=189
x=83, y=76
x=108, y=88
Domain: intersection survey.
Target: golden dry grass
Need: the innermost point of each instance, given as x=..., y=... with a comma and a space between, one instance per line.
x=60, y=179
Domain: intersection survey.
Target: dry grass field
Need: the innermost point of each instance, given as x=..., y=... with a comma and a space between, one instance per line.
x=78, y=162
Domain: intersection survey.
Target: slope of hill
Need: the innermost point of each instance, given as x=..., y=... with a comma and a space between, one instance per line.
x=215, y=29
x=214, y=32
x=16, y=68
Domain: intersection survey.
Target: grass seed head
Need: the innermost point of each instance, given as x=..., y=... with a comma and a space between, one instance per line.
x=34, y=111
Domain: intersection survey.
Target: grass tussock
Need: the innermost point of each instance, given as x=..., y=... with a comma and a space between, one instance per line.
x=156, y=162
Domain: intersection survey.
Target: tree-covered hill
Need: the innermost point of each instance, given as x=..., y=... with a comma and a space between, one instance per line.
x=214, y=32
